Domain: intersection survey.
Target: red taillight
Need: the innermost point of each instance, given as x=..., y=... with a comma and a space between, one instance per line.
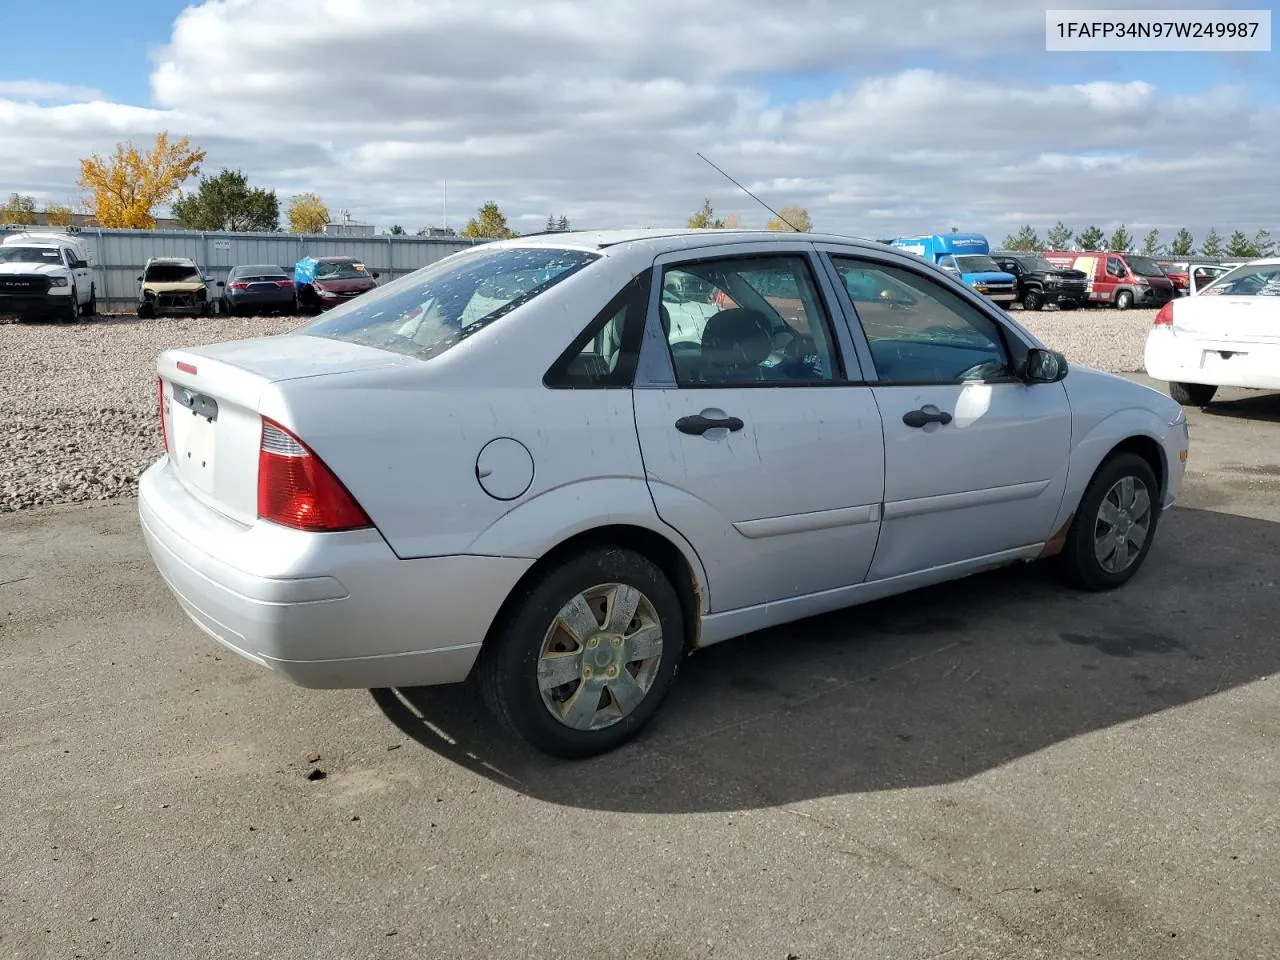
x=297, y=490
x=284, y=283
x=237, y=285
x=1165, y=317
x=164, y=429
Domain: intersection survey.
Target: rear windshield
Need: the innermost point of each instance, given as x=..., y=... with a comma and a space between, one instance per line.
x=424, y=314
x=1145, y=267
x=172, y=273
x=29, y=255
x=1247, y=282
x=973, y=263
x=260, y=270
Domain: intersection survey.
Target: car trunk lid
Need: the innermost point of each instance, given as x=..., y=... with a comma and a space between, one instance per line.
x=211, y=402
x=1228, y=319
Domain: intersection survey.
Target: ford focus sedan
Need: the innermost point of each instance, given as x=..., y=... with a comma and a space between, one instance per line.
x=543, y=464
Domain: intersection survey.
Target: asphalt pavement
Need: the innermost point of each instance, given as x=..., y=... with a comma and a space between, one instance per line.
x=998, y=767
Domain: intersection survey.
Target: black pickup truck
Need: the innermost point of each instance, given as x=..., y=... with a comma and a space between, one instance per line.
x=1040, y=282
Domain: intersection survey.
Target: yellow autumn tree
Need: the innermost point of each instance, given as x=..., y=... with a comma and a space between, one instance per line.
x=58, y=215
x=307, y=213
x=130, y=184
x=797, y=217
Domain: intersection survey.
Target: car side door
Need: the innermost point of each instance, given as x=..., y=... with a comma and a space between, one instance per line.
x=80, y=273
x=761, y=445
x=975, y=457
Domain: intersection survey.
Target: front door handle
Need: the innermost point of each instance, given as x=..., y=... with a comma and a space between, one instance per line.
x=698, y=425
x=918, y=418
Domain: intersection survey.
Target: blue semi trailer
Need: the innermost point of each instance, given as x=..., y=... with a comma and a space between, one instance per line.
x=967, y=256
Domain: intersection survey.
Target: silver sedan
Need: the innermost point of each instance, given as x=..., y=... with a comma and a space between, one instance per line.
x=563, y=462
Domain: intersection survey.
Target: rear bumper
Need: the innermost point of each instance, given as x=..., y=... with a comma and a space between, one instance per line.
x=323, y=610
x=275, y=298
x=1180, y=358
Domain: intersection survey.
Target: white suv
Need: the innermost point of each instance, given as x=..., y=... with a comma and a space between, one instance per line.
x=46, y=275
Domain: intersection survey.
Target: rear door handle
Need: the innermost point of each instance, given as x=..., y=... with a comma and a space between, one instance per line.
x=697, y=425
x=918, y=418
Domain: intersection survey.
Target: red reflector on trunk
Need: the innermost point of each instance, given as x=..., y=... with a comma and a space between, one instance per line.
x=296, y=489
x=187, y=367
x=164, y=429
x=1165, y=317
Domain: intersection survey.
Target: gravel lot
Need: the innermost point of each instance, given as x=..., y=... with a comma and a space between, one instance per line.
x=78, y=408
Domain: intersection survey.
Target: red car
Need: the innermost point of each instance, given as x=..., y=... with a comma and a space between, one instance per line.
x=325, y=282
x=1120, y=280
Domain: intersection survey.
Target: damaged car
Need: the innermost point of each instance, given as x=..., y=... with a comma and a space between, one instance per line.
x=173, y=286
x=324, y=282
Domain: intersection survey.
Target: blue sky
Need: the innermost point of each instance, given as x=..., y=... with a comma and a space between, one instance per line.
x=103, y=44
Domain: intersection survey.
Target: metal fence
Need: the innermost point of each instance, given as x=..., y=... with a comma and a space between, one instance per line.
x=117, y=256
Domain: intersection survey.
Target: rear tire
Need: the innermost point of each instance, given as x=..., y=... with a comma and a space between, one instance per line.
x=1114, y=524
x=1124, y=300
x=1033, y=300
x=91, y=309
x=559, y=627
x=146, y=311
x=1192, y=394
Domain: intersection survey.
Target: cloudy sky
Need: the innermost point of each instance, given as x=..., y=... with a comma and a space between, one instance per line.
x=880, y=118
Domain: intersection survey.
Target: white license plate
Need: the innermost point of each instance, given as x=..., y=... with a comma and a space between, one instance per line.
x=193, y=447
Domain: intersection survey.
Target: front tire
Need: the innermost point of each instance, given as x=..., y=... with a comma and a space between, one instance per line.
x=71, y=312
x=1067, y=305
x=585, y=654
x=146, y=310
x=1124, y=299
x=1192, y=394
x=1114, y=524
x=1033, y=300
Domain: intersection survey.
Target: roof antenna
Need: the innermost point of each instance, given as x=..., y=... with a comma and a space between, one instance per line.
x=753, y=196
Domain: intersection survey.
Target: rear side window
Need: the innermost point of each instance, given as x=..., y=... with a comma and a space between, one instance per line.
x=425, y=313
x=606, y=352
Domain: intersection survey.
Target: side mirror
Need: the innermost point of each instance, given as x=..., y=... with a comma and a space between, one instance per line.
x=221, y=284
x=139, y=278
x=1044, y=366
x=376, y=274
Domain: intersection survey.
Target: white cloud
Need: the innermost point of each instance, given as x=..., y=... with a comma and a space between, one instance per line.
x=43, y=91
x=597, y=110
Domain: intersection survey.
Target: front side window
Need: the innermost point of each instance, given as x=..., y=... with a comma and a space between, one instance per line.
x=754, y=320
x=919, y=331
x=426, y=312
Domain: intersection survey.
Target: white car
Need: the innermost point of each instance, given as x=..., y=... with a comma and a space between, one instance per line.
x=544, y=491
x=46, y=275
x=1224, y=335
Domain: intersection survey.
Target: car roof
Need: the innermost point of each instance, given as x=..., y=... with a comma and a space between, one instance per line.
x=661, y=240
x=182, y=261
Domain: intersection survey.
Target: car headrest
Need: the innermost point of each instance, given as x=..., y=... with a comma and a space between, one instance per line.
x=665, y=316
x=736, y=338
